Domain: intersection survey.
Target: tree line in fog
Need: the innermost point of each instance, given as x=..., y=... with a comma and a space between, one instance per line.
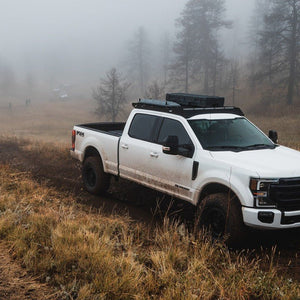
x=194, y=60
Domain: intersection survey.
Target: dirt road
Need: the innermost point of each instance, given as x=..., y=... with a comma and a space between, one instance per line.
x=57, y=169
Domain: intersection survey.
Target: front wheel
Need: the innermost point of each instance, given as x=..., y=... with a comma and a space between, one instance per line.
x=95, y=180
x=221, y=215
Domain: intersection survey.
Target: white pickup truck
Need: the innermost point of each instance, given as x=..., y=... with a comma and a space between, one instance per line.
x=194, y=148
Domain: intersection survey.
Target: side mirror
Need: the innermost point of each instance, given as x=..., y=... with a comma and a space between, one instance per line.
x=170, y=145
x=186, y=150
x=273, y=136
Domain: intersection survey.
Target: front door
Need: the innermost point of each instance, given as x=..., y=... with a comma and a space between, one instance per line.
x=174, y=172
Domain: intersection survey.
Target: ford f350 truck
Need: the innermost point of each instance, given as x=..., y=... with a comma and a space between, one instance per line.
x=194, y=148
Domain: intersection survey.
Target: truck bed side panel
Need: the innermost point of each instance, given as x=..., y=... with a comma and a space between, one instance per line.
x=115, y=128
x=105, y=144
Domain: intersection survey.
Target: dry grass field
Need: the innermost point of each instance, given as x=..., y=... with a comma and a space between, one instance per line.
x=85, y=253
x=84, y=247
x=53, y=121
x=48, y=121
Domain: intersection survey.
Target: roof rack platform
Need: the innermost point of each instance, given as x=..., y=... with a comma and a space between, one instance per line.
x=189, y=106
x=192, y=100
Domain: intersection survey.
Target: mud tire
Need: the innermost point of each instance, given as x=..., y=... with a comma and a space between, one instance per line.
x=221, y=215
x=95, y=180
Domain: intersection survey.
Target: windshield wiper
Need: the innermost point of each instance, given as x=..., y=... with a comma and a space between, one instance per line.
x=263, y=146
x=241, y=148
x=233, y=148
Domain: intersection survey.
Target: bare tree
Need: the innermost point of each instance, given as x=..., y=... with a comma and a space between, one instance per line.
x=111, y=94
x=156, y=90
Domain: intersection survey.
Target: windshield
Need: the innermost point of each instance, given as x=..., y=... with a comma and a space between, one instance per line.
x=230, y=135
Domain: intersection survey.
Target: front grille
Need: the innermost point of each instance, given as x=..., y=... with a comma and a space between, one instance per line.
x=286, y=194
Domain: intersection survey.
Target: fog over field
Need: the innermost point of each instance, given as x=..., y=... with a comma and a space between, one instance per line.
x=222, y=47
x=75, y=41
x=69, y=62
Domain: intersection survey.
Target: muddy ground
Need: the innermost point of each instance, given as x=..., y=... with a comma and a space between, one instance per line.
x=17, y=284
x=59, y=171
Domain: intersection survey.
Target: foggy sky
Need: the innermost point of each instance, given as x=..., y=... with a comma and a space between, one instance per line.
x=81, y=37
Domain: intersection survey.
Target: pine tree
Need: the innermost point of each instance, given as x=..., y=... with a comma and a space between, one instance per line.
x=256, y=26
x=197, y=49
x=139, y=59
x=280, y=47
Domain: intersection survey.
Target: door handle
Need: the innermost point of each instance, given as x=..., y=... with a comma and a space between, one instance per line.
x=154, y=154
x=124, y=146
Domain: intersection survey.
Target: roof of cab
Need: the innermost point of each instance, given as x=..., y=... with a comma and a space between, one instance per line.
x=218, y=116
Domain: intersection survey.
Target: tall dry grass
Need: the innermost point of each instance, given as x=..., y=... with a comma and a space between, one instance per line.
x=88, y=255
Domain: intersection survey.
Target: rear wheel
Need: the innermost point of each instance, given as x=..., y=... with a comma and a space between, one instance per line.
x=221, y=215
x=95, y=180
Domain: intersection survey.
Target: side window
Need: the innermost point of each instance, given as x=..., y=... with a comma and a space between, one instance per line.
x=142, y=127
x=173, y=127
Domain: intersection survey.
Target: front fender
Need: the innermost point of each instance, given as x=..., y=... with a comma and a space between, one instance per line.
x=219, y=176
x=239, y=183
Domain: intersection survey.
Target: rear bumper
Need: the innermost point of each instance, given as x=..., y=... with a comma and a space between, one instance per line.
x=76, y=154
x=270, y=218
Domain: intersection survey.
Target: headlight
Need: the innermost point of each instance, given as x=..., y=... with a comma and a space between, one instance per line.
x=260, y=189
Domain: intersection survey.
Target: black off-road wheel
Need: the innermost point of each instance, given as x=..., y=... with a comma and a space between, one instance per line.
x=221, y=215
x=95, y=180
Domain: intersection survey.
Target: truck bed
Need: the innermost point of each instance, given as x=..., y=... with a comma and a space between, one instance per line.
x=115, y=128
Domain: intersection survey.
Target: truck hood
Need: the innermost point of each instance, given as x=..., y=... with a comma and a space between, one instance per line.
x=267, y=163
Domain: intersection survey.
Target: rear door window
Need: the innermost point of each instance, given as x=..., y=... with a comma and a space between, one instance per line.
x=143, y=127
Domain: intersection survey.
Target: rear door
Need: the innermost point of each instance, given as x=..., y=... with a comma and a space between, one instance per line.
x=136, y=148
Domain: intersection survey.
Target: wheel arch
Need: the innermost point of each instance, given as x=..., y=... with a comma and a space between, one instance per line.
x=91, y=151
x=215, y=188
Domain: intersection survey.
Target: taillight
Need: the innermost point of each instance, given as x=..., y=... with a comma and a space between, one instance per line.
x=73, y=139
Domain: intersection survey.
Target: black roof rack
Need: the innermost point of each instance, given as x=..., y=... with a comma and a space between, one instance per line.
x=192, y=100
x=188, y=105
